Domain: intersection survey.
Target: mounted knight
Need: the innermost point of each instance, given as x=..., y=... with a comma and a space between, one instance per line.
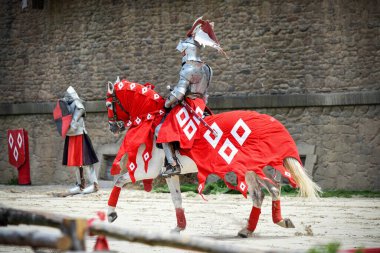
x=191, y=90
x=242, y=142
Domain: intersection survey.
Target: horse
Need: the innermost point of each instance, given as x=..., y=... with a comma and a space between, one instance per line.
x=243, y=142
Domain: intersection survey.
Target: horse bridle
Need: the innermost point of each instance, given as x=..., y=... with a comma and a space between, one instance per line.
x=115, y=101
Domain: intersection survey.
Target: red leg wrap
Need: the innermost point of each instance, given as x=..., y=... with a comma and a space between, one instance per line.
x=276, y=211
x=181, y=219
x=253, y=218
x=148, y=184
x=112, y=201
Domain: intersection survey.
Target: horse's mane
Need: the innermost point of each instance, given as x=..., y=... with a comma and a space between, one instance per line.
x=138, y=99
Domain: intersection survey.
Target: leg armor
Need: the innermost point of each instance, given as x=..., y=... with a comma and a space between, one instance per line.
x=172, y=167
x=92, y=180
x=80, y=182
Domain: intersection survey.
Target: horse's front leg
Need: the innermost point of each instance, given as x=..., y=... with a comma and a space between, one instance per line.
x=257, y=195
x=114, y=196
x=175, y=191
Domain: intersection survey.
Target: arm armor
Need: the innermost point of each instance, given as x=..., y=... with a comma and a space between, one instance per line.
x=178, y=92
x=79, y=104
x=78, y=113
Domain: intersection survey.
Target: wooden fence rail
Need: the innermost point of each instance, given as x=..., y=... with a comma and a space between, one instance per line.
x=168, y=240
x=74, y=231
x=35, y=239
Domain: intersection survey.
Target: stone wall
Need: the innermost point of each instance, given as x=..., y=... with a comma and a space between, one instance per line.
x=275, y=48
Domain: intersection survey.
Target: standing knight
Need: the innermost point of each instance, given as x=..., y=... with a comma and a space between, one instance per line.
x=194, y=80
x=78, y=151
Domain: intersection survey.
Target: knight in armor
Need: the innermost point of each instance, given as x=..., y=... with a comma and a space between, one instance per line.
x=78, y=150
x=194, y=79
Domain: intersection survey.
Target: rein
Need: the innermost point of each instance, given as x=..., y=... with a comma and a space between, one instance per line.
x=114, y=101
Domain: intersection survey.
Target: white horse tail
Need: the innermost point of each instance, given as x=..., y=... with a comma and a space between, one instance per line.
x=306, y=185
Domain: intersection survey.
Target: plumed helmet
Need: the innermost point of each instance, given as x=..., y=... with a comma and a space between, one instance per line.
x=200, y=34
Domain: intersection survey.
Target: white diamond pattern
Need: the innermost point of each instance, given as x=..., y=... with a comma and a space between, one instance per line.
x=182, y=121
x=132, y=86
x=240, y=124
x=19, y=140
x=120, y=85
x=144, y=90
x=222, y=151
x=210, y=137
x=15, y=154
x=190, y=130
x=156, y=96
x=11, y=140
x=132, y=166
x=146, y=156
x=200, y=187
x=242, y=186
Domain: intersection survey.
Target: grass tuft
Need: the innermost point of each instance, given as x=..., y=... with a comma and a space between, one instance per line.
x=219, y=187
x=328, y=248
x=13, y=181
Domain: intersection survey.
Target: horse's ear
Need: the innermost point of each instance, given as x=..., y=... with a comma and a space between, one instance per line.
x=110, y=87
x=117, y=79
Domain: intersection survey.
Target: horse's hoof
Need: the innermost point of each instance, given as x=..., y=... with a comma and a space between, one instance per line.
x=245, y=233
x=176, y=230
x=289, y=223
x=112, y=217
x=286, y=223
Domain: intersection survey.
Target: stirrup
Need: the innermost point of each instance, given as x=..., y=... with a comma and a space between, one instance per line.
x=171, y=170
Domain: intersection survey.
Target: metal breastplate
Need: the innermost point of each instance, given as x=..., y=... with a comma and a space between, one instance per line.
x=199, y=76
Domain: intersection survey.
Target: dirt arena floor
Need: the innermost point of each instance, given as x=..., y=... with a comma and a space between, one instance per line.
x=352, y=222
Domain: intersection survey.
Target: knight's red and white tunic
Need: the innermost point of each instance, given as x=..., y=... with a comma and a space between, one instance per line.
x=78, y=149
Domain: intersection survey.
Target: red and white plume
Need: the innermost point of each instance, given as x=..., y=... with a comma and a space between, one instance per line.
x=203, y=32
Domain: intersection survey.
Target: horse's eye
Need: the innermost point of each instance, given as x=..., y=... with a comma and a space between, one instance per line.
x=109, y=105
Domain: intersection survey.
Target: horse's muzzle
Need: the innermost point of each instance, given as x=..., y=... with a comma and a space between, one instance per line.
x=116, y=127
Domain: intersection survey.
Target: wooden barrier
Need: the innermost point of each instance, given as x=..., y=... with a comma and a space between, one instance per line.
x=168, y=240
x=74, y=231
x=35, y=239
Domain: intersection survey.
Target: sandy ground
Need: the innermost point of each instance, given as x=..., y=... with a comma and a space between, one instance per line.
x=353, y=222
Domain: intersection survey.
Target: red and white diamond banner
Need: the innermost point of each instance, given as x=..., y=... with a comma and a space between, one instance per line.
x=16, y=147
